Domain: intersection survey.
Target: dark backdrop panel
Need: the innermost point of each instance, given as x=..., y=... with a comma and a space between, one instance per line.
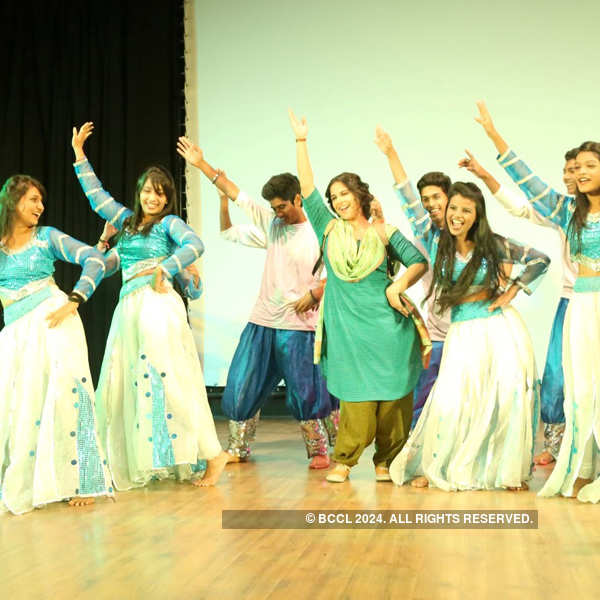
x=118, y=64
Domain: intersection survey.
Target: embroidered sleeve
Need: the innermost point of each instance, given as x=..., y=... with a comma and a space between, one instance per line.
x=551, y=204
x=535, y=262
x=70, y=250
x=318, y=214
x=189, y=245
x=100, y=200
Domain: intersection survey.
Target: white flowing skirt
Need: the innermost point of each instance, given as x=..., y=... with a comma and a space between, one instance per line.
x=478, y=426
x=49, y=448
x=578, y=456
x=151, y=398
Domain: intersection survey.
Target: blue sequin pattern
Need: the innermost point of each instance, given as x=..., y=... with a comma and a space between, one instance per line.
x=35, y=262
x=91, y=474
x=162, y=448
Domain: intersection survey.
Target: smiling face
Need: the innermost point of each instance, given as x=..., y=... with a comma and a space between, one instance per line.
x=344, y=202
x=29, y=208
x=152, y=198
x=569, y=177
x=460, y=215
x=435, y=201
x=587, y=172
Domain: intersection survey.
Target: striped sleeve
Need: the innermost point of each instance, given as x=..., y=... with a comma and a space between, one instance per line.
x=535, y=262
x=418, y=218
x=189, y=245
x=100, y=200
x=556, y=207
x=70, y=250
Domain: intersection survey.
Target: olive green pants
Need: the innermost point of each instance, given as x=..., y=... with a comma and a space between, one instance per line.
x=386, y=422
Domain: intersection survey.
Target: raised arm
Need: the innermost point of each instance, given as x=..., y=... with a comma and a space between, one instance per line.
x=548, y=202
x=384, y=143
x=195, y=156
x=100, y=200
x=224, y=218
x=305, y=172
x=261, y=216
x=247, y=235
x=190, y=246
x=418, y=218
x=318, y=214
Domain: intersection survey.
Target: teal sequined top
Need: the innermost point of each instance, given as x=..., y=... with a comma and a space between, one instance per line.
x=558, y=208
x=31, y=267
x=171, y=243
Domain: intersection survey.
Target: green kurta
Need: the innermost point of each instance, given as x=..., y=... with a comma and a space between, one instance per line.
x=369, y=351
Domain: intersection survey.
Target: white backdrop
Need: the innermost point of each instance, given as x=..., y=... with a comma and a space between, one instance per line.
x=416, y=69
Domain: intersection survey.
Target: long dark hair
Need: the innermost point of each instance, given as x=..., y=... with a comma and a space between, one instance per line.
x=449, y=294
x=358, y=187
x=12, y=191
x=582, y=204
x=161, y=179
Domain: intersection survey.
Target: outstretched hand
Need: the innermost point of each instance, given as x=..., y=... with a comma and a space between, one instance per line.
x=190, y=151
x=484, y=118
x=472, y=165
x=383, y=140
x=79, y=138
x=56, y=317
x=299, y=127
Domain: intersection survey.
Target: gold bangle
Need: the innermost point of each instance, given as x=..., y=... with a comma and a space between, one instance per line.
x=300, y=140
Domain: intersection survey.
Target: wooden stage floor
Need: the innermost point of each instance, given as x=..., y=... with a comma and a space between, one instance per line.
x=166, y=541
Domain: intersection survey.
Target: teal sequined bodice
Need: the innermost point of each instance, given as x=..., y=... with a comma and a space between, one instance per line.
x=140, y=252
x=588, y=254
x=31, y=263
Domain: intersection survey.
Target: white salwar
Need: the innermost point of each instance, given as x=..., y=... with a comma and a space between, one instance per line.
x=478, y=425
x=155, y=420
x=49, y=448
x=578, y=457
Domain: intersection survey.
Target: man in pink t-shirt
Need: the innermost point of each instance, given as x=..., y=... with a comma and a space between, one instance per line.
x=277, y=343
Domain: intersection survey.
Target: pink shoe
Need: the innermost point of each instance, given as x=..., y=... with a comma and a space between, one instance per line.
x=319, y=462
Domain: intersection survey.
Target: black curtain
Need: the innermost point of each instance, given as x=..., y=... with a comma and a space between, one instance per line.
x=118, y=64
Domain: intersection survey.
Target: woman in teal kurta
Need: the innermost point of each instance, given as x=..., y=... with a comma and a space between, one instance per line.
x=369, y=348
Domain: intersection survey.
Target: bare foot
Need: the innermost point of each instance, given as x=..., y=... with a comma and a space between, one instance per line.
x=214, y=469
x=420, y=482
x=543, y=458
x=232, y=458
x=319, y=462
x=579, y=483
x=79, y=501
x=522, y=488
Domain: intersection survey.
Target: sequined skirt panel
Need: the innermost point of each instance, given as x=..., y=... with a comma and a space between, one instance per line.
x=49, y=446
x=151, y=399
